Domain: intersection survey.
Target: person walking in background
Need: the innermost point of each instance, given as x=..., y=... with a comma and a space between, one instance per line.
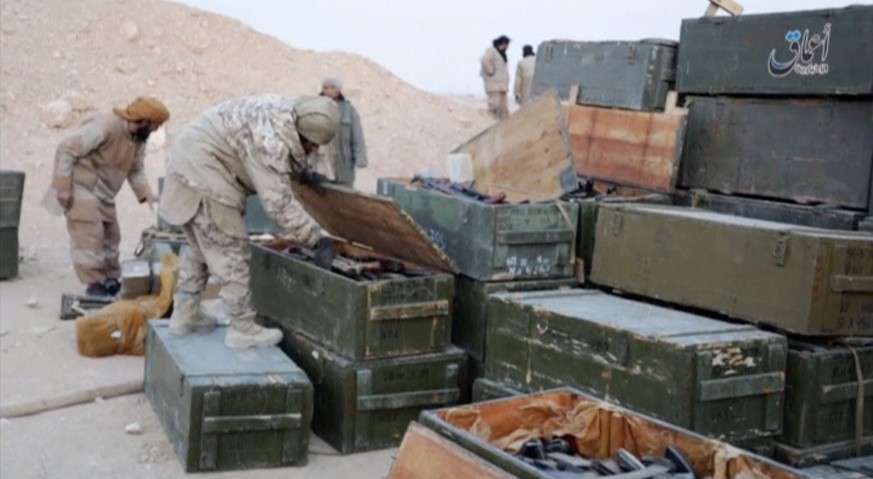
x=524, y=75
x=495, y=75
x=89, y=170
x=348, y=150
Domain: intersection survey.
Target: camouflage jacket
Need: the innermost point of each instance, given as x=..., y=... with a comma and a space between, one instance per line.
x=99, y=157
x=236, y=148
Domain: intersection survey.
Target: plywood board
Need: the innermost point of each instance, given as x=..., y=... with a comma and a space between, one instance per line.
x=426, y=455
x=627, y=148
x=372, y=221
x=528, y=155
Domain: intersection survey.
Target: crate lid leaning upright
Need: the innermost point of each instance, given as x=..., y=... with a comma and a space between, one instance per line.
x=803, y=280
x=359, y=319
x=224, y=408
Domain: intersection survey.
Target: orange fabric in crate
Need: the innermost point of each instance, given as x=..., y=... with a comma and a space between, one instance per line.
x=120, y=327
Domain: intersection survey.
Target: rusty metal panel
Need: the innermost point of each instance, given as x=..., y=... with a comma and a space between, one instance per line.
x=627, y=148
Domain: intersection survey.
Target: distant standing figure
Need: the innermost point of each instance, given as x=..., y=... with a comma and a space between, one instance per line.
x=495, y=75
x=348, y=150
x=524, y=75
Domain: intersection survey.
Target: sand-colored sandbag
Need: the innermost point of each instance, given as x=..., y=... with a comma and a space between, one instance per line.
x=120, y=328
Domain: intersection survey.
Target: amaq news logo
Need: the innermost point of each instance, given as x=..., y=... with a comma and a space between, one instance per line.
x=805, y=49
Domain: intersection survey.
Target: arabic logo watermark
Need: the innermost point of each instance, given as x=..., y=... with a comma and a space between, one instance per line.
x=804, y=47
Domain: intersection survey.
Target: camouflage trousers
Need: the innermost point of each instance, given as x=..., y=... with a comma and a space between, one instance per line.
x=94, y=238
x=498, y=105
x=211, y=250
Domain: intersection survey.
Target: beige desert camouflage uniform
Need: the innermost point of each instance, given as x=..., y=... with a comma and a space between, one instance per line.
x=242, y=146
x=95, y=162
x=524, y=75
x=495, y=76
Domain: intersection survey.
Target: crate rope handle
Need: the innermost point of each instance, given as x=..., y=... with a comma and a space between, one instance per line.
x=569, y=222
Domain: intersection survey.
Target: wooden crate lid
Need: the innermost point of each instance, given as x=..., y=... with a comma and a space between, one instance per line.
x=373, y=221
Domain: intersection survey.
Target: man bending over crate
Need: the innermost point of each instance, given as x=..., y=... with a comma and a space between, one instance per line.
x=247, y=145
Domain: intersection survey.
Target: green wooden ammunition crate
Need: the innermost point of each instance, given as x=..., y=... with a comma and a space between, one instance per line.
x=716, y=378
x=367, y=405
x=507, y=242
x=155, y=243
x=803, y=280
x=821, y=391
x=866, y=225
x=820, y=455
x=826, y=217
x=485, y=390
x=585, y=235
x=360, y=320
x=8, y=252
x=224, y=408
x=470, y=310
x=11, y=193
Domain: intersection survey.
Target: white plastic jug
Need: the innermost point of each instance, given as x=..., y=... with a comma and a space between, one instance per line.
x=460, y=167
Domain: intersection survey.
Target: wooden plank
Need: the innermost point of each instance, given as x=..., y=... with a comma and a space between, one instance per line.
x=426, y=455
x=372, y=221
x=729, y=6
x=627, y=148
x=526, y=154
x=574, y=94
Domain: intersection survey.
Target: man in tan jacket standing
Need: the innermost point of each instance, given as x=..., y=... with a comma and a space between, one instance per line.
x=524, y=75
x=90, y=168
x=247, y=145
x=495, y=75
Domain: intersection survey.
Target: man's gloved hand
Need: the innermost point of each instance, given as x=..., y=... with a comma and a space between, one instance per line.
x=313, y=180
x=325, y=252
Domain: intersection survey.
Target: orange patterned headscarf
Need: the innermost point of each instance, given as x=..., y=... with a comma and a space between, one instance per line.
x=145, y=108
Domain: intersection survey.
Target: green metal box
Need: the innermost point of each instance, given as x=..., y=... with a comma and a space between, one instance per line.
x=819, y=216
x=224, y=408
x=8, y=252
x=821, y=394
x=470, y=313
x=803, y=280
x=585, y=235
x=11, y=193
x=358, y=319
x=823, y=454
x=367, y=405
x=509, y=242
x=801, y=53
x=485, y=390
x=720, y=379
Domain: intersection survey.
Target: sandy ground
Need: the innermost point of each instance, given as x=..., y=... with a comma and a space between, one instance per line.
x=95, y=54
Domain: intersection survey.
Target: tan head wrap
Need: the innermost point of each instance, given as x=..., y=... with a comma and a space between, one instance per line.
x=145, y=108
x=317, y=119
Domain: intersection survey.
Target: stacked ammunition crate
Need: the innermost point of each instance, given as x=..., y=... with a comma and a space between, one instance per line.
x=502, y=247
x=11, y=191
x=780, y=128
x=376, y=349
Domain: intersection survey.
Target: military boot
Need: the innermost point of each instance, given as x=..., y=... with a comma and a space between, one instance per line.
x=186, y=316
x=244, y=332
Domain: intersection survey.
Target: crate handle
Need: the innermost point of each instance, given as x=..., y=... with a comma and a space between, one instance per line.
x=410, y=311
x=844, y=283
x=742, y=386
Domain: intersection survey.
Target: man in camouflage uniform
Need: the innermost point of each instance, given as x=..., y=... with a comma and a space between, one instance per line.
x=239, y=147
x=90, y=168
x=495, y=75
x=348, y=150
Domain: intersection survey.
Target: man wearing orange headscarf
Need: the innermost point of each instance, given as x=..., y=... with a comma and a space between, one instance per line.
x=90, y=168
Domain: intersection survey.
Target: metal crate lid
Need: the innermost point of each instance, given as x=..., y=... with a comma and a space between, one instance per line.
x=373, y=221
